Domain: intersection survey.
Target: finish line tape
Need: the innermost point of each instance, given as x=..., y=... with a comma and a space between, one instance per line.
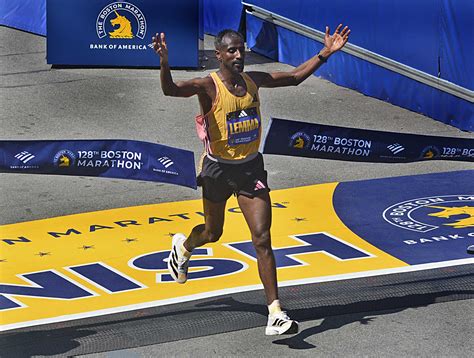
x=123, y=159
x=301, y=139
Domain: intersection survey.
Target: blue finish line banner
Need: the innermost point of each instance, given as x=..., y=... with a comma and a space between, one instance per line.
x=124, y=159
x=301, y=139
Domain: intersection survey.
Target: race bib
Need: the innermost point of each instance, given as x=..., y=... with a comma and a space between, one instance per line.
x=243, y=126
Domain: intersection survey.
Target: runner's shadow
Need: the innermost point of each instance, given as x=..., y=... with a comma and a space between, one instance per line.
x=164, y=324
x=42, y=343
x=151, y=329
x=298, y=341
x=337, y=316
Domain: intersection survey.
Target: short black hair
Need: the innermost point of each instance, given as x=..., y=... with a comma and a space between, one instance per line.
x=227, y=32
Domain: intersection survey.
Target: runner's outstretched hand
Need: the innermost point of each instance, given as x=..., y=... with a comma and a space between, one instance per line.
x=337, y=40
x=159, y=45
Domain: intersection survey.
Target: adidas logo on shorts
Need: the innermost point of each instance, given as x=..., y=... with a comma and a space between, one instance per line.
x=259, y=186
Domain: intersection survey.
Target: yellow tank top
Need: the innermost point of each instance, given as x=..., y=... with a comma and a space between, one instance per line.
x=231, y=130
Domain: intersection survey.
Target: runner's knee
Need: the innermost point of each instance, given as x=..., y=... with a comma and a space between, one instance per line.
x=261, y=240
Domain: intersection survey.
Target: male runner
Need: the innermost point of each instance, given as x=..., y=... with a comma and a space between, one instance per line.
x=230, y=126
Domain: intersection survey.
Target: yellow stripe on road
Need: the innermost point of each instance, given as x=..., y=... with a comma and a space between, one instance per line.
x=107, y=261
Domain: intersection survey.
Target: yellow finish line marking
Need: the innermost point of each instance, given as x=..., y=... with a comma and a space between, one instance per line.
x=125, y=244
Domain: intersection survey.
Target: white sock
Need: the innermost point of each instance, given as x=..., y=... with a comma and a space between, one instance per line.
x=274, y=307
x=184, y=251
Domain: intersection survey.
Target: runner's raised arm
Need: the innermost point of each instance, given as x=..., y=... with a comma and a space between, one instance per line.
x=332, y=44
x=170, y=88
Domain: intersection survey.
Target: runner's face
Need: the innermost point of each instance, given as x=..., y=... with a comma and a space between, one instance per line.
x=232, y=54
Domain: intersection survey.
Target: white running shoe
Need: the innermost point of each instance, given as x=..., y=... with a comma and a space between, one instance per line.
x=280, y=323
x=177, y=262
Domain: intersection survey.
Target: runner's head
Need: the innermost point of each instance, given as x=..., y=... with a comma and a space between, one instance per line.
x=230, y=50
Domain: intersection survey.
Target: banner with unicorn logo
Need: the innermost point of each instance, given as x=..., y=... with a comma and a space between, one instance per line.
x=124, y=159
x=302, y=139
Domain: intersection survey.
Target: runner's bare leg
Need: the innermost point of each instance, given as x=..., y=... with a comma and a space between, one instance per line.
x=258, y=214
x=211, y=231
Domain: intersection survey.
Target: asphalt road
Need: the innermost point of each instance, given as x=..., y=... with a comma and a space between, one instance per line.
x=440, y=330
x=37, y=102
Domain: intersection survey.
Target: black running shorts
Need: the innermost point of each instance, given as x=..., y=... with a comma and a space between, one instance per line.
x=219, y=181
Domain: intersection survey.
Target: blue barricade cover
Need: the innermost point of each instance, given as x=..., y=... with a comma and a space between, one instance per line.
x=27, y=15
x=395, y=30
x=301, y=139
x=220, y=15
x=456, y=38
x=377, y=25
x=123, y=159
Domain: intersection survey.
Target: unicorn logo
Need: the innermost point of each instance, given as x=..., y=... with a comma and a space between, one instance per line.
x=300, y=140
x=299, y=143
x=64, y=158
x=430, y=152
x=447, y=212
x=124, y=30
x=115, y=21
x=64, y=161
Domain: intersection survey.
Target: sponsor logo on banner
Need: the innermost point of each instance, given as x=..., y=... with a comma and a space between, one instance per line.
x=24, y=157
x=64, y=159
x=396, y=148
x=167, y=162
x=166, y=166
x=300, y=140
x=120, y=20
x=397, y=152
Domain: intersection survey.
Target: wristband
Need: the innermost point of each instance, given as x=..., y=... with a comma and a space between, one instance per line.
x=322, y=58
